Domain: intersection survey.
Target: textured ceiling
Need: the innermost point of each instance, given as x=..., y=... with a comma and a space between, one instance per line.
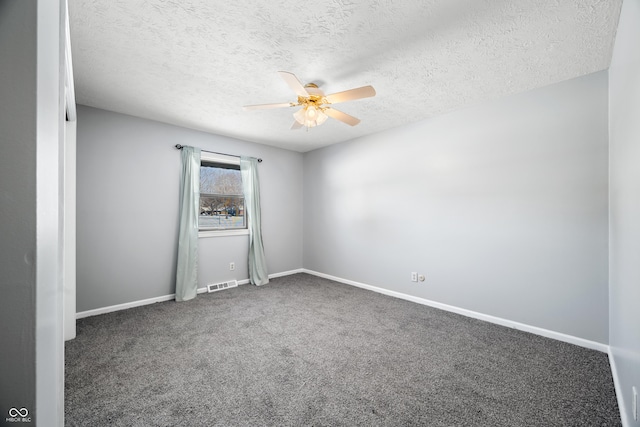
x=195, y=63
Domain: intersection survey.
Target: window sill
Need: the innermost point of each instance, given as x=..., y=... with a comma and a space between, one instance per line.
x=222, y=233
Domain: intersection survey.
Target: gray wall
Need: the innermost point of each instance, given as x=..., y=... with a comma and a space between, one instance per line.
x=31, y=353
x=624, y=128
x=503, y=206
x=18, y=46
x=127, y=209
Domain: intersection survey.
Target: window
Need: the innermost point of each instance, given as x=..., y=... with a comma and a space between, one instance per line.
x=221, y=199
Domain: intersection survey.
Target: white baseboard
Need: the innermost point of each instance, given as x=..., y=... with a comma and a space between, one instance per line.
x=124, y=306
x=469, y=313
x=286, y=273
x=619, y=394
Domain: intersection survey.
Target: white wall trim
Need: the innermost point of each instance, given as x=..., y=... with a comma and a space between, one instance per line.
x=617, y=387
x=286, y=273
x=139, y=303
x=69, y=230
x=126, y=305
x=70, y=91
x=49, y=139
x=469, y=313
x=223, y=233
x=274, y=275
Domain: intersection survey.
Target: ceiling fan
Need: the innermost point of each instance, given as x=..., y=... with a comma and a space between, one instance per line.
x=316, y=106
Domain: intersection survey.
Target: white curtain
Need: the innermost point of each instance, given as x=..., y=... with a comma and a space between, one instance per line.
x=187, y=270
x=258, y=274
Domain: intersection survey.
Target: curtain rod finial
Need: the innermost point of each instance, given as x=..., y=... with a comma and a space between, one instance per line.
x=179, y=147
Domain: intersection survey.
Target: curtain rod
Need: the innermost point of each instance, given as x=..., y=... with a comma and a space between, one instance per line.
x=179, y=147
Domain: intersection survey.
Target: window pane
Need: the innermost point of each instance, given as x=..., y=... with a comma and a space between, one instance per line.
x=221, y=198
x=221, y=212
x=218, y=180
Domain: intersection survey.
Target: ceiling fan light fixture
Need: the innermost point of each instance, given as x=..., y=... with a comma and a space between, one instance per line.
x=311, y=113
x=310, y=116
x=300, y=116
x=322, y=117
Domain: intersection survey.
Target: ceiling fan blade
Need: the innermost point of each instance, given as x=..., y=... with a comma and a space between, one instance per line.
x=267, y=106
x=351, y=94
x=343, y=117
x=294, y=83
x=296, y=125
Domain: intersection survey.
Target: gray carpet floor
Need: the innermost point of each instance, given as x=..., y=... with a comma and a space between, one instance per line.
x=305, y=351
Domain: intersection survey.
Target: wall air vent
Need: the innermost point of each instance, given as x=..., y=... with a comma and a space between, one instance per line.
x=214, y=287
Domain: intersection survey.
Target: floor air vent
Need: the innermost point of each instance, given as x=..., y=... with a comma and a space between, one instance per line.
x=222, y=285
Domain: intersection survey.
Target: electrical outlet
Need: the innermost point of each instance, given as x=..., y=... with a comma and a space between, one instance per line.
x=634, y=404
x=421, y=278
x=414, y=277
x=232, y=266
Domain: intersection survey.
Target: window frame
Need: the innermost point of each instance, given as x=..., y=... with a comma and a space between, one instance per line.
x=229, y=160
